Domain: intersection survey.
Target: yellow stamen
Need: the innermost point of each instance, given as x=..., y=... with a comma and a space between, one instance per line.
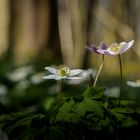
x=114, y=47
x=63, y=71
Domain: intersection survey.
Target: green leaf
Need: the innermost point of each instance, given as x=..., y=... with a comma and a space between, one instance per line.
x=31, y=134
x=56, y=133
x=73, y=109
x=48, y=103
x=105, y=122
x=25, y=121
x=122, y=110
x=119, y=116
x=122, y=113
x=94, y=93
x=127, y=103
x=66, y=112
x=128, y=122
x=90, y=105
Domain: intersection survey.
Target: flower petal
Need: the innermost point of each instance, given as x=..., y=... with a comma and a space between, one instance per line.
x=75, y=72
x=92, y=48
x=125, y=46
x=103, y=46
x=51, y=70
x=59, y=78
x=52, y=77
x=133, y=84
x=106, y=52
x=76, y=78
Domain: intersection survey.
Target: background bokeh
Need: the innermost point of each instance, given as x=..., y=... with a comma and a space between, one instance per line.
x=39, y=33
x=57, y=31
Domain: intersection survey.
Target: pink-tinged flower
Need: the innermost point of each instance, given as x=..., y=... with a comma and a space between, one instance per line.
x=113, y=49
x=95, y=49
x=62, y=72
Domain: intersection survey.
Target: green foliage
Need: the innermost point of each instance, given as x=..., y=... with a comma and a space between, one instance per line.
x=90, y=116
x=23, y=125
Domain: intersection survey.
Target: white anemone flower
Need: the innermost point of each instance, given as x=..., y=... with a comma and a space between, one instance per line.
x=62, y=72
x=112, y=92
x=20, y=73
x=35, y=79
x=134, y=83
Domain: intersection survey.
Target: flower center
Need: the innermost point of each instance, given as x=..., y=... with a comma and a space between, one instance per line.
x=114, y=47
x=63, y=71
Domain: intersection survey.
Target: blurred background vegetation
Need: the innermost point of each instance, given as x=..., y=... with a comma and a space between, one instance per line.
x=39, y=33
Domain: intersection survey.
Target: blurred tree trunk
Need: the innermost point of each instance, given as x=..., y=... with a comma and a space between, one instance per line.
x=78, y=29
x=42, y=22
x=65, y=33
x=4, y=24
x=72, y=31
x=25, y=42
x=32, y=31
x=90, y=20
x=50, y=30
x=47, y=34
x=11, y=32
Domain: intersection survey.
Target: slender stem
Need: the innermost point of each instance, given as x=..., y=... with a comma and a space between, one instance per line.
x=120, y=78
x=61, y=87
x=91, y=80
x=99, y=71
x=55, y=111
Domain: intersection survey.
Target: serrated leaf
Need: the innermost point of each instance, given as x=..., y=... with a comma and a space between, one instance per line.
x=25, y=121
x=127, y=103
x=56, y=132
x=93, y=93
x=128, y=122
x=119, y=116
x=30, y=134
x=90, y=105
x=122, y=110
x=65, y=112
x=105, y=122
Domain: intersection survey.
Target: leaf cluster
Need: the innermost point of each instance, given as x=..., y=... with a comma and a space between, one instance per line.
x=87, y=116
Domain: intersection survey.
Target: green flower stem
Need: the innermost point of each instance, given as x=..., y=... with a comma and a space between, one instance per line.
x=61, y=88
x=91, y=80
x=56, y=108
x=54, y=113
x=120, y=78
x=99, y=71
